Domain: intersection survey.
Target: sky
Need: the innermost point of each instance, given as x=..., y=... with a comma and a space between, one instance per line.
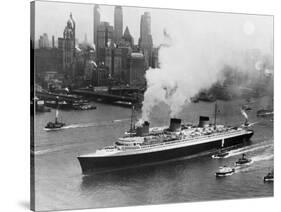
x=51, y=18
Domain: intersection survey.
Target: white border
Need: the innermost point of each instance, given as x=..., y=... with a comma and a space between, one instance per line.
x=14, y=109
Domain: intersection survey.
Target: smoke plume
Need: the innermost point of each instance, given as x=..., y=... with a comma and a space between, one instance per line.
x=192, y=55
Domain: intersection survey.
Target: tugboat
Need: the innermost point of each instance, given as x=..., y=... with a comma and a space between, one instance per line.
x=269, y=177
x=243, y=160
x=225, y=171
x=222, y=153
x=55, y=125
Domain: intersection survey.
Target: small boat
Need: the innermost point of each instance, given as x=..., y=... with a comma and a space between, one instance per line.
x=243, y=160
x=220, y=154
x=269, y=177
x=56, y=125
x=225, y=171
x=264, y=112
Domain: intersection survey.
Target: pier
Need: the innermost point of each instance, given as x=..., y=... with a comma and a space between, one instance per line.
x=115, y=95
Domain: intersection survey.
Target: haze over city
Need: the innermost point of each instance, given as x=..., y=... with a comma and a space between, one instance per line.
x=255, y=30
x=200, y=45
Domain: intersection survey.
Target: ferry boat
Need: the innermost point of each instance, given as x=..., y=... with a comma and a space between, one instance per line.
x=150, y=145
x=225, y=171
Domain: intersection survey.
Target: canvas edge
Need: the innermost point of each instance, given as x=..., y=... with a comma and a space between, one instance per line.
x=32, y=105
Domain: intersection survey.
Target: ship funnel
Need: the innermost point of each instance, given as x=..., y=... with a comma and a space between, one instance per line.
x=143, y=129
x=175, y=124
x=203, y=121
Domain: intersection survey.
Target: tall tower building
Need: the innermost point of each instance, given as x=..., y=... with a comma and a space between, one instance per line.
x=145, y=41
x=96, y=24
x=44, y=41
x=104, y=39
x=145, y=25
x=136, y=69
x=118, y=23
x=67, y=47
x=128, y=38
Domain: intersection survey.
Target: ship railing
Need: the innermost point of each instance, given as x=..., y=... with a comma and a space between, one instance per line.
x=188, y=139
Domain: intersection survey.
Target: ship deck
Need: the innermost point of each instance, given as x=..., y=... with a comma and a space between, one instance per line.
x=161, y=146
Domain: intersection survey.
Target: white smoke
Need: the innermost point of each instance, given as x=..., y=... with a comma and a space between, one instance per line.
x=243, y=112
x=191, y=61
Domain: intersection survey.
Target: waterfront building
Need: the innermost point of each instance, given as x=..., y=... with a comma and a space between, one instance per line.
x=116, y=61
x=90, y=66
x=117, y=64
x=100, y=76
x=47, y=59
x=109, y=57
x=118, y=24
x=137, y=70
x=80, y=60
x=125, y=54
x=145, y=40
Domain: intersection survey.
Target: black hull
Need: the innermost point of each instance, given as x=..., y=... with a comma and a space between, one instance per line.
x=223, y=174
x=54, y=126
x=91, y=164
x=243, y=163
x=267, y=179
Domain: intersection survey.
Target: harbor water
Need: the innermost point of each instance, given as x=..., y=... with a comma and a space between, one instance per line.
x=60, y=184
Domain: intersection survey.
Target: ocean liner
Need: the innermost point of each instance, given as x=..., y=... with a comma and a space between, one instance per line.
x=149, y=145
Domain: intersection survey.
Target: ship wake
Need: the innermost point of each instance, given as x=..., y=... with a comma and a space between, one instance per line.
x=251, y=166
x=100, y=124
x=249, y=149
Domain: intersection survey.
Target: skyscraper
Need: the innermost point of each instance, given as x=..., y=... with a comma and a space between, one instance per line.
x=44, y=41
x=128, y=38
x=136, y=70
x=145, y=41
x=145, y=26
x=104, y=39
x=53, y=41
x=118, y=23
x=96, y=23
x=67, y=47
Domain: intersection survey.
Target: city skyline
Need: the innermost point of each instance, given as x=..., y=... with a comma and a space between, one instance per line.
x=250, y=28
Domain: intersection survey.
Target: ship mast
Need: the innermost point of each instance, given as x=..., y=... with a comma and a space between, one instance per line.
x=216, y=107
x=132, y=127
x=57, y=110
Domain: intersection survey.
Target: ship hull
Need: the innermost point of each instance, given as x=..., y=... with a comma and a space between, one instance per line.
x=92, y=163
